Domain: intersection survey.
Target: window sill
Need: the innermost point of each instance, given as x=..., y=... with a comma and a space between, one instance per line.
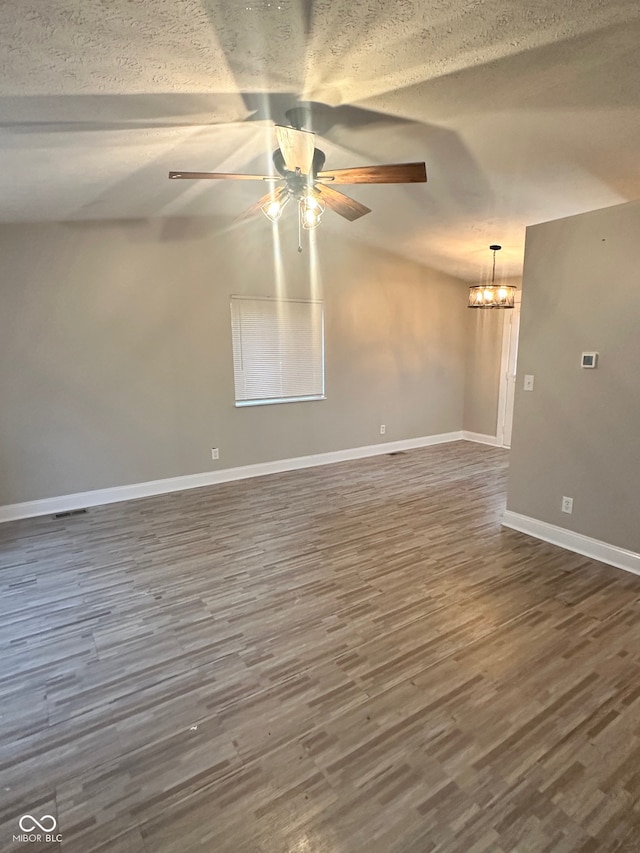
x=241, y=404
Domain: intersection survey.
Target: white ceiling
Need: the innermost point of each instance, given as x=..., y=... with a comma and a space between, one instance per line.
x=523, y=111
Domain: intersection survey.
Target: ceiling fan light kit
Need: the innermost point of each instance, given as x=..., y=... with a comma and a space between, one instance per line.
x=300, y=175
x=273, y=208
x=311, y=210
x=492, y=295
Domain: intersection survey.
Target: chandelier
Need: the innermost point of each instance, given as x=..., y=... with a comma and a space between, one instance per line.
x=492, y=295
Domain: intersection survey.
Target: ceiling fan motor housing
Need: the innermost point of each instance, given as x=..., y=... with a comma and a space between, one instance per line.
x=316, y=166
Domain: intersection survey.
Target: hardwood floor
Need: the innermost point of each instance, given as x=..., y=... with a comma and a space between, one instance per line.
x=349, y=658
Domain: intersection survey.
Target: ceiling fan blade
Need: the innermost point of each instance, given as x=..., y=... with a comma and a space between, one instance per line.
x=222, y=176
x=392, y=173
x=278, y=195
x=341, y=203
x=297, y=148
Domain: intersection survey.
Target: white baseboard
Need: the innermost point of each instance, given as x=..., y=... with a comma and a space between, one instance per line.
x=97, y=497
x=480, y=438
x=585, y=545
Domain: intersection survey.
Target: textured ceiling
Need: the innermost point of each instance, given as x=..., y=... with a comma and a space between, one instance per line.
x=523, y=112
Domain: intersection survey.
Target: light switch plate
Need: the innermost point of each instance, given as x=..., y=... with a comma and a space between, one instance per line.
x=528, y=382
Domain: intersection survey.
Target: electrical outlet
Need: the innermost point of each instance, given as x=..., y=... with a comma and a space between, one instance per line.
x=383, y=429
x=215, y=453
x=567, y=505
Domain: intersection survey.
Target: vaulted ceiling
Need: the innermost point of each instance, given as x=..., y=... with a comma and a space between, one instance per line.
x=523, y=112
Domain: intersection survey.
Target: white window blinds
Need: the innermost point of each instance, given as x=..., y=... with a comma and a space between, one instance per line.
x=278, y=350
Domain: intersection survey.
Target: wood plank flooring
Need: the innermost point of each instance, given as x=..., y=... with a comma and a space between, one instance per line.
x=348, y=658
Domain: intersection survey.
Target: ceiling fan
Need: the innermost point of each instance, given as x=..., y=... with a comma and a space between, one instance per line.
x=301, y=176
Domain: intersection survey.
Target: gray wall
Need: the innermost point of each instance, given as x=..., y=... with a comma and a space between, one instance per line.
x=115, y=351
x=578, y=432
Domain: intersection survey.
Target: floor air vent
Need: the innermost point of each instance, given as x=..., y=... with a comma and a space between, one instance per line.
x=70, y=512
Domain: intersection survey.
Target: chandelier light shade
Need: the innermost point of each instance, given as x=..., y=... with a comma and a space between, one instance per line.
x=492, y=295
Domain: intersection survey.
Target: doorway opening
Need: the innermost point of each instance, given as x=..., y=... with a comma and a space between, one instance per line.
x=510, y=332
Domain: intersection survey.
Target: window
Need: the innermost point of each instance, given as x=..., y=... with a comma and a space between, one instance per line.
x=278, y=350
